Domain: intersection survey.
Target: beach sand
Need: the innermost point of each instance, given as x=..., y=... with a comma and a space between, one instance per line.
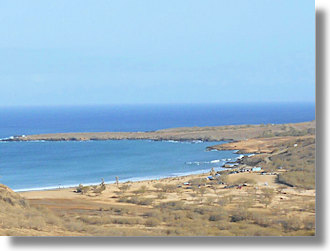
x=245, y=204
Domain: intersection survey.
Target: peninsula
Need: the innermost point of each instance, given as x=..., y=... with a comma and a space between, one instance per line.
x=209, y=133
x=278, y=200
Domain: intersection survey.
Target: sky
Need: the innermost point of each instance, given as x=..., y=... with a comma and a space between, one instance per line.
x=166, y=51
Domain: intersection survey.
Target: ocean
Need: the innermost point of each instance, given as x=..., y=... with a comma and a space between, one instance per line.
x=43, y=165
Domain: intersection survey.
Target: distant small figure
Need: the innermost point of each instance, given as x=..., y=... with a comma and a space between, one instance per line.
x=117, y=180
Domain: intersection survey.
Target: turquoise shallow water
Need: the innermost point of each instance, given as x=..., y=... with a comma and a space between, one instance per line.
x=41, y=165
x=38, y=165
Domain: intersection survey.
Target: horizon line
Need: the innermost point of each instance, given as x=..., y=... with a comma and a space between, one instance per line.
x=157, y=104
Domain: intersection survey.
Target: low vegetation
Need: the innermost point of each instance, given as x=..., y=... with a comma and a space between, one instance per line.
x=295, y=162
x=229, y=205
x=96, y=190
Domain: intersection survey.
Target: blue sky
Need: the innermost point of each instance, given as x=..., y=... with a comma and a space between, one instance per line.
x=166, y=51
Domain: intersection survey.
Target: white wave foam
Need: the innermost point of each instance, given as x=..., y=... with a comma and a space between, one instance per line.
x=240, y=157
x=7, y=138
x=44, y=188
x=193, y=163
x=198, y=171
x=197, y=141
x=172, y=141
x=204, y=162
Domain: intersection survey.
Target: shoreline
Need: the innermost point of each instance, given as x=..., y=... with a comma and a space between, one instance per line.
x=216, y=162
x=229, y=145
x=149, y=206
x=69, y=192
x=130, y=180
x=133, y=180
x=241, y=152
x=147, y=178
x=235, y=160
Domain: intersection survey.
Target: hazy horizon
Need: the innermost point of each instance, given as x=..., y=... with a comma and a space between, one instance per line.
x=135, y=52
x=163, y=104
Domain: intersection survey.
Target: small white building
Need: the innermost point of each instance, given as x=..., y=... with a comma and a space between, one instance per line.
x=256, y=169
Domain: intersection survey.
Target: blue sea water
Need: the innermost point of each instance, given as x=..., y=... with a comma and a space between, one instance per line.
x=38, y=165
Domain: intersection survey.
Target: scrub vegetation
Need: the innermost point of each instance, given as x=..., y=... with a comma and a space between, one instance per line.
x=279, y=200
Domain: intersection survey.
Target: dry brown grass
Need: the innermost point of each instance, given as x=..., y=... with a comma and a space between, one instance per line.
x=162, y=208
x=210, y=133
x=237, y=213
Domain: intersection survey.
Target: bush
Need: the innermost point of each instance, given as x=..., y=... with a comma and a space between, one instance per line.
x=161, y=195
x=217, y=217
x=91, y=220
x=136, y=200
x=261, y=219
x=150, y=214
x=175, y=205
x=152, y=222
x=239, y=214
x=292, y=224
x=170, y=188
x=141, y=190
x=126, y=220
x=124, y=187
x=99, y=189
x=309, y=223
x=144, y=201
x=197, y=182
x=267, y=196
x=82, y=189
x=298, y=179
x=244, y=180
x=236, y=218
x=203, y=210
x=158, y=186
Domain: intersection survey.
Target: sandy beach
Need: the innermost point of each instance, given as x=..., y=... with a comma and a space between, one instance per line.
x=271, y=201
x=112, y=189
